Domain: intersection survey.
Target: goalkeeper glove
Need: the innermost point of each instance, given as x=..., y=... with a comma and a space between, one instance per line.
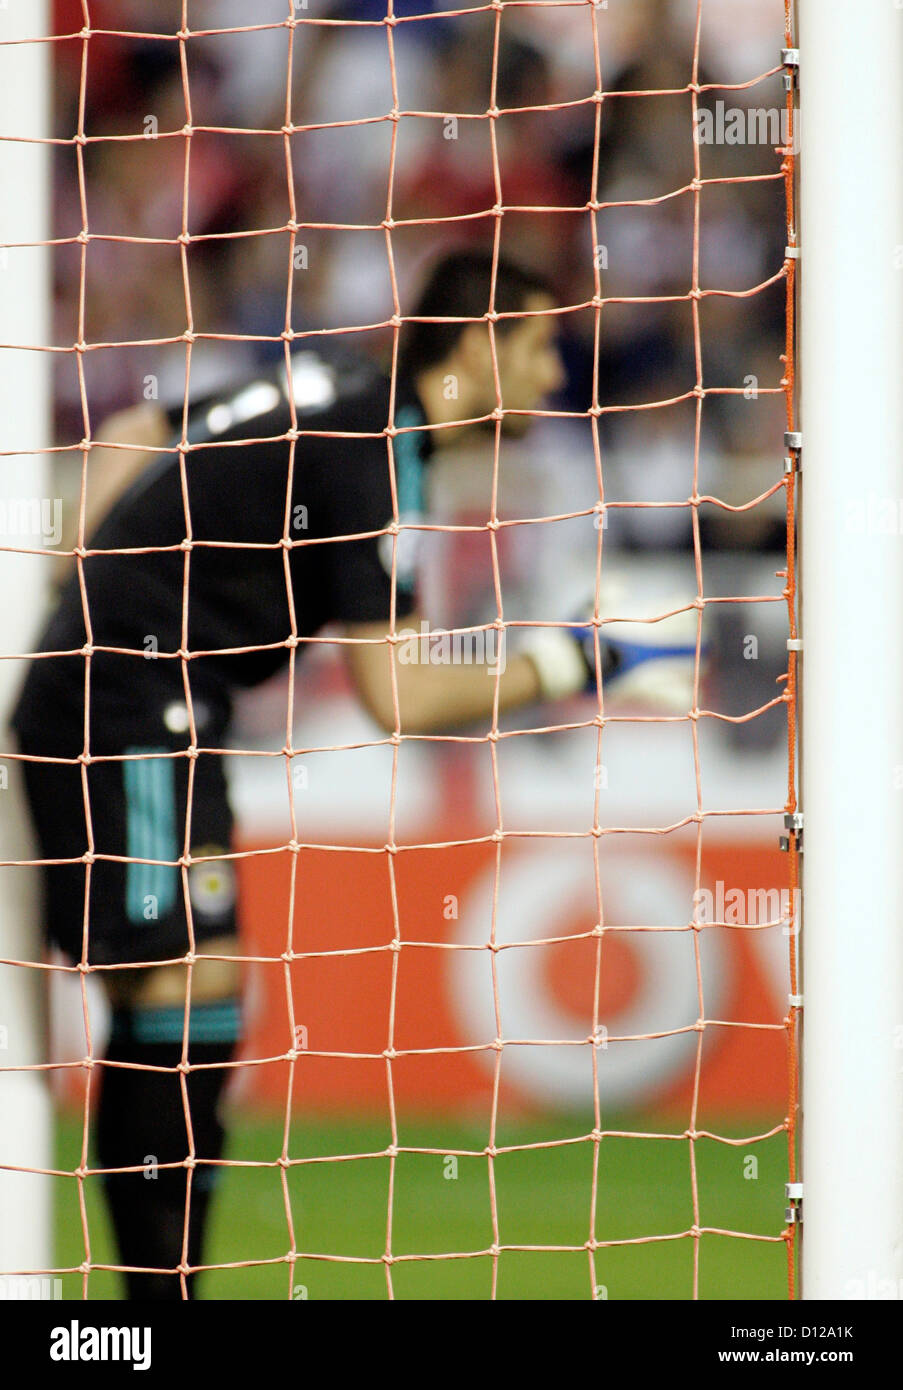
x=640, y=662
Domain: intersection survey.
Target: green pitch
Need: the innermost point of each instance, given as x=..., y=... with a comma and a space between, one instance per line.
x=543, y=1198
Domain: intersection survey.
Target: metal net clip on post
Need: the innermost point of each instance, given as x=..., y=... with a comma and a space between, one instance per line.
x=790, y=57
x=793, y=443
x=793, y=822
x=793, y=1213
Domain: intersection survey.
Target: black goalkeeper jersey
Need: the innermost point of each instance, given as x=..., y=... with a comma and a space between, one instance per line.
x=236, y=588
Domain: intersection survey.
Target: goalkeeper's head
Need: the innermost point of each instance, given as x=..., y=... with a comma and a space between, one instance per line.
x=453, y=363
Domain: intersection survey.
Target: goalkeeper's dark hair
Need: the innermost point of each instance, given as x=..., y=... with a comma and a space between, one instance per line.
x=458, y=287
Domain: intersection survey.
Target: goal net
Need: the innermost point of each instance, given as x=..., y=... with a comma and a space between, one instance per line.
x=520, y=997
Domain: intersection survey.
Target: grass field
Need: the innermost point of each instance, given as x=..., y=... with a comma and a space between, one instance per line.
x=543, y=1198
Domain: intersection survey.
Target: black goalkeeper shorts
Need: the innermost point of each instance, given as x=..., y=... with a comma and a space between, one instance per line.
x=136, y=901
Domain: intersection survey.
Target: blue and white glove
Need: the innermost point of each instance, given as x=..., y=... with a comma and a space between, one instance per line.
x=649, y=664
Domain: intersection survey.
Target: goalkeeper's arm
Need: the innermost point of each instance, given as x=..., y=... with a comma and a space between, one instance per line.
x=432, y=697
x=131, y=439
x=639, y=664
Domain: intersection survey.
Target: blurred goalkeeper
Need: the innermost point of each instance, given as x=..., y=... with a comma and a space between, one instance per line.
x=231, y=588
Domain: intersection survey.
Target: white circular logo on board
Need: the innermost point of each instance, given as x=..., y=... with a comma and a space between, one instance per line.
x=544, y=893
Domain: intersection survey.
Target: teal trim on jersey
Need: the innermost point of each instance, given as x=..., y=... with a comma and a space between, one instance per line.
x=150, y=802
x=409, y=478
x=409, y=461
x=214, y=1021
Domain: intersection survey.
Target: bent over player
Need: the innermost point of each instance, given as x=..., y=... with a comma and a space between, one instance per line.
x=195, y=587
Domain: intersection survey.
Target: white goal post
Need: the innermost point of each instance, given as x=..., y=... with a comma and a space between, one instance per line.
x=851, y=184
x=25, y=413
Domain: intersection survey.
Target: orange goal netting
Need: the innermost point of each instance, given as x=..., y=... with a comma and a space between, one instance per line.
x=304, y=38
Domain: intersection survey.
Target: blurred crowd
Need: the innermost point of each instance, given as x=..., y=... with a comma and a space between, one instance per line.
x=246, y=85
